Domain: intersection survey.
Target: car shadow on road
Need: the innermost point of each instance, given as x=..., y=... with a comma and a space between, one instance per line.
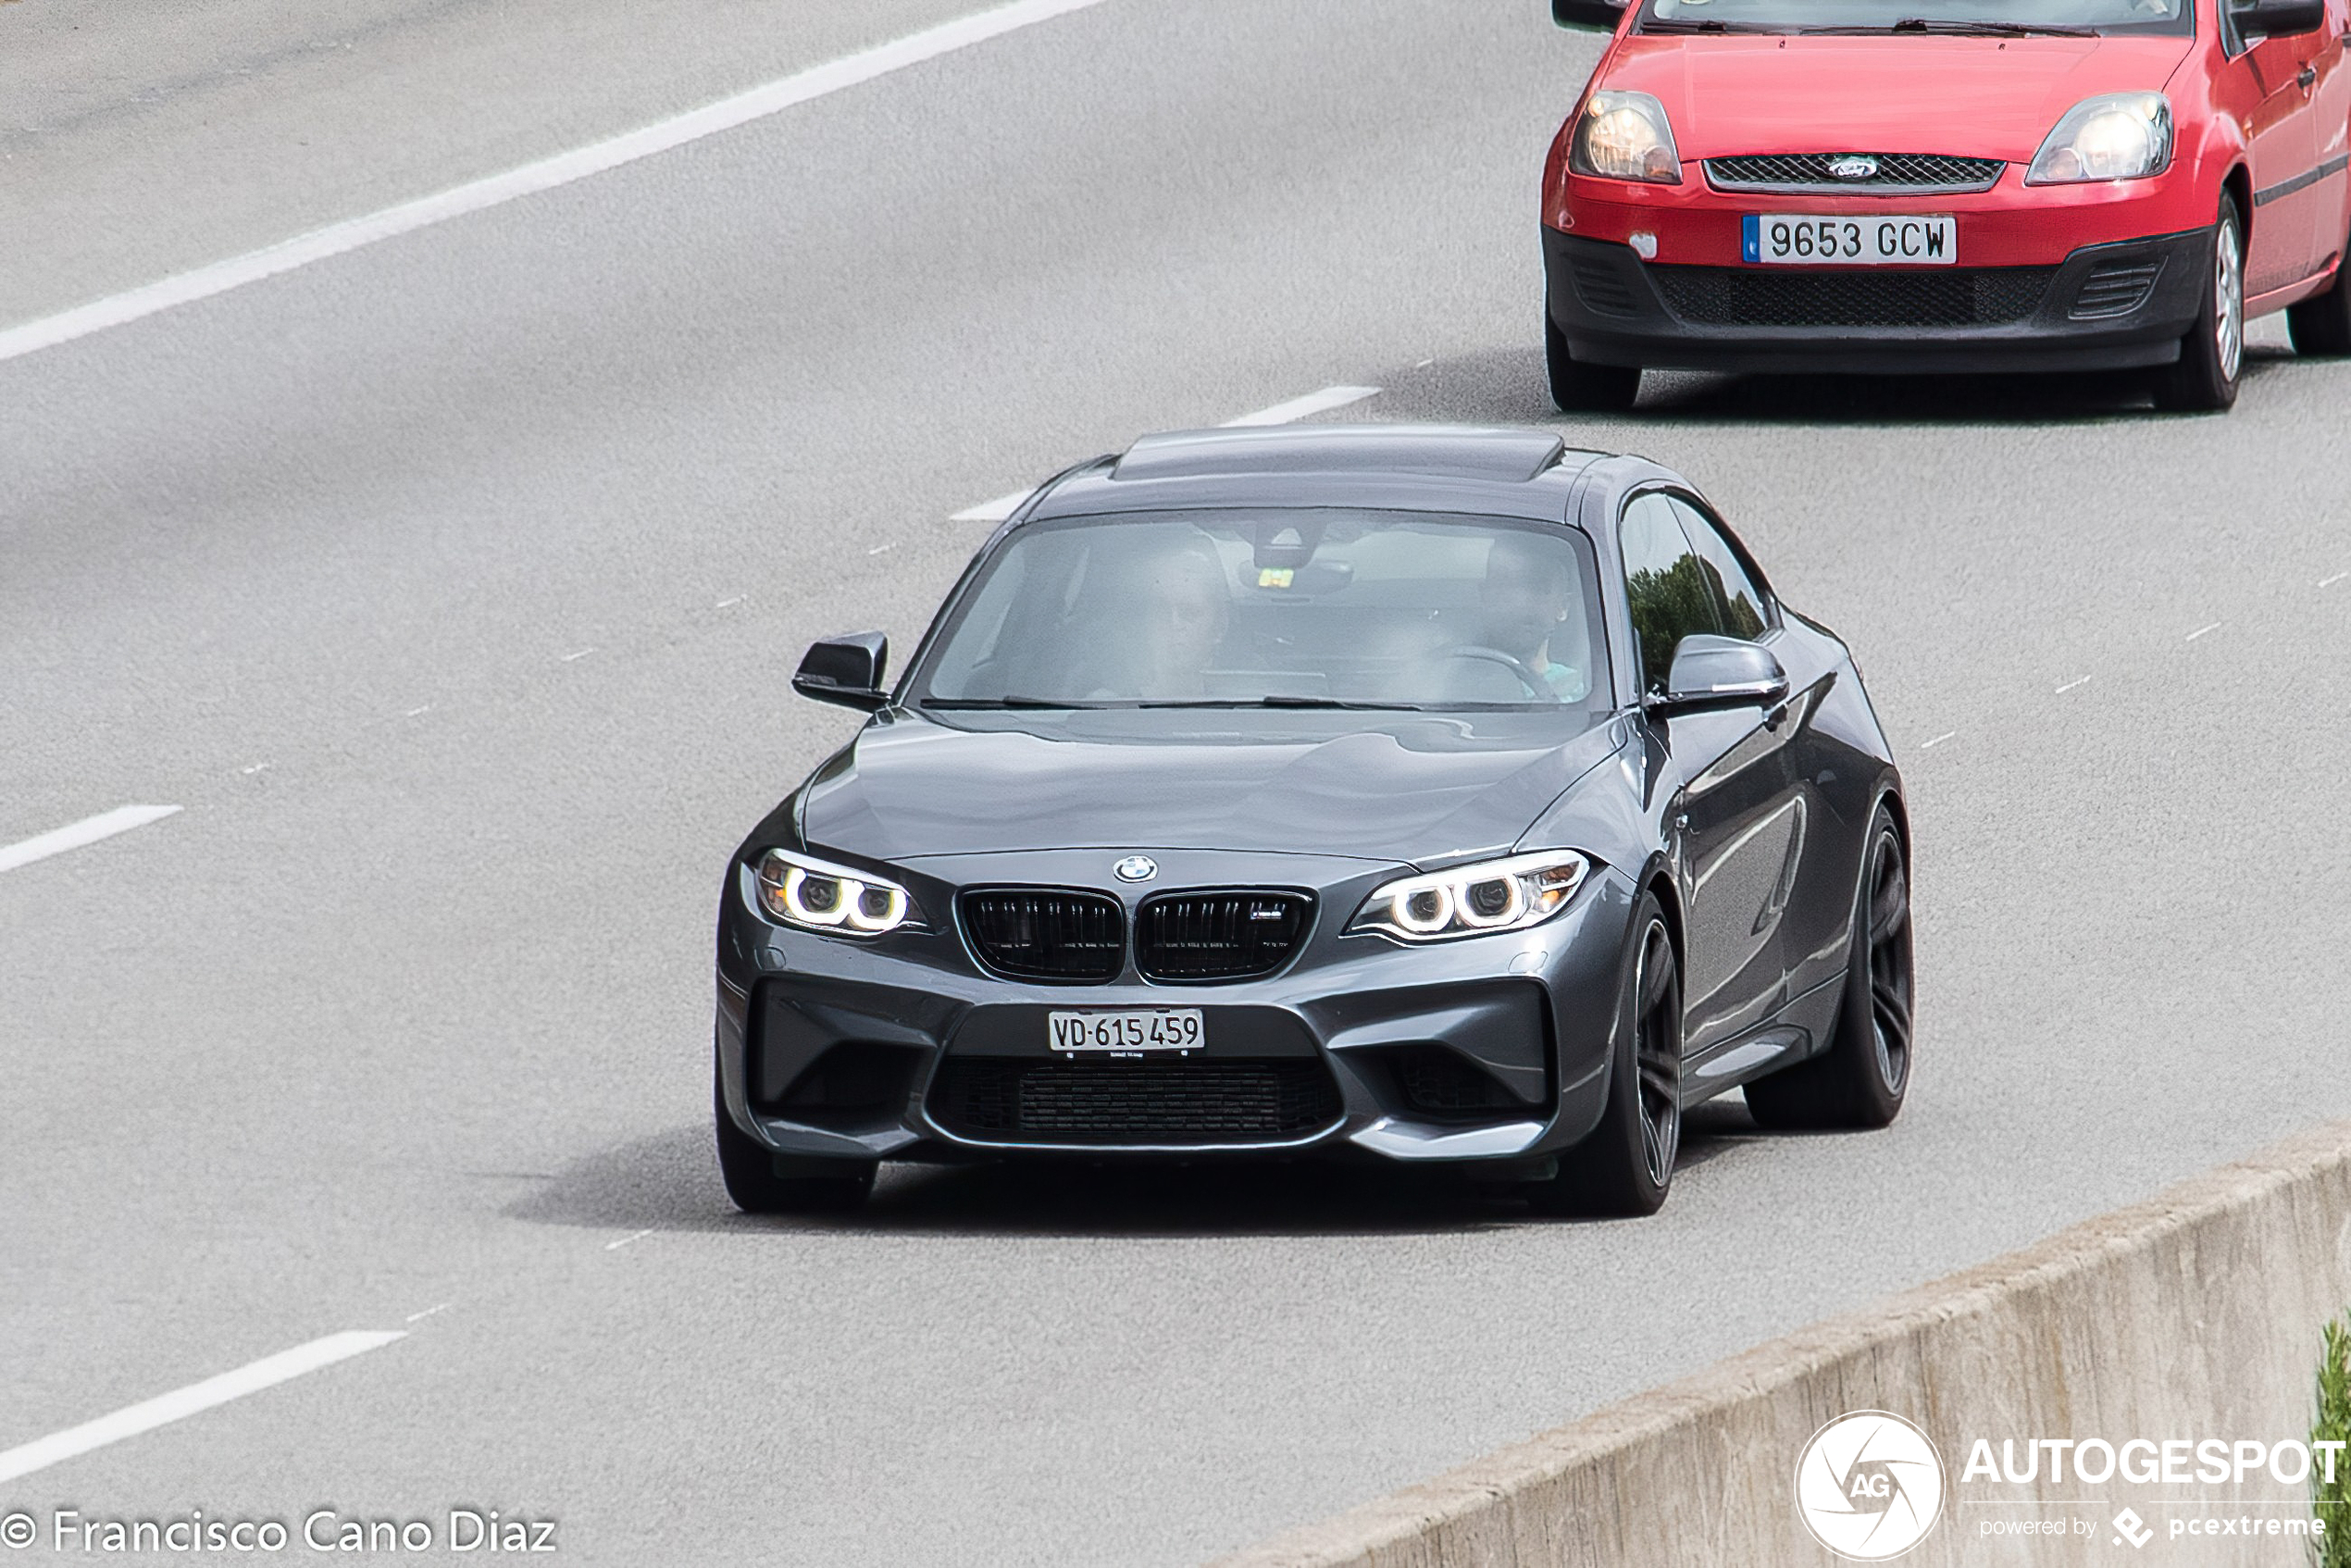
x=1506, y=386
x=669, y=1182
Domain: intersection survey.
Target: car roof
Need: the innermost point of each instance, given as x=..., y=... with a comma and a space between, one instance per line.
x=1414, y=468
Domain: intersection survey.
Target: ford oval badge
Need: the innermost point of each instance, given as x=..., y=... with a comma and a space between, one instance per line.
x=1857, y=165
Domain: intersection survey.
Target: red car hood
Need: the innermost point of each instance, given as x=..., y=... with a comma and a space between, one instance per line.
x=1979, y=97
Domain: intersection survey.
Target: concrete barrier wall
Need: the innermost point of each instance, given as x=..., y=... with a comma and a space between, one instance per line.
x=2193, y=1315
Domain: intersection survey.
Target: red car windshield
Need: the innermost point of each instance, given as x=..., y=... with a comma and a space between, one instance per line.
x=1995, y=17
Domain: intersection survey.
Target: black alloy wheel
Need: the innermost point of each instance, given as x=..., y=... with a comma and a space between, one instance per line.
x=1626, y=1165
x=1861, y=1079
x=761, y=1181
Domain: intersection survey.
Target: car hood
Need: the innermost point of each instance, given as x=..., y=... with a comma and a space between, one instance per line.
x=1410, y=788
x=1974, y=97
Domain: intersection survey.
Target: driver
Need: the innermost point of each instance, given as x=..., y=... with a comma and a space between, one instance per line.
x=1529, y=610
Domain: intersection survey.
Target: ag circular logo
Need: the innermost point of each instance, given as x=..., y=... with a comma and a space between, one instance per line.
x=1870, y=1486
x=1137, y=868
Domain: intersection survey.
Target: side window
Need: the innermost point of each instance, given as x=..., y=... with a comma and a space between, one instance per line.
x=1666, y=586
x=1743, y=611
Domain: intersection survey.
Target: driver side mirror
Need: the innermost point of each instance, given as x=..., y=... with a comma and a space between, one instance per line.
x=1601, y=13
x=2278, y=19
x=847, y=670
x=1719, y=672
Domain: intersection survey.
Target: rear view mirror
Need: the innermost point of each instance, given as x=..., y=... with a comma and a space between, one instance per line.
x=847, y=670
x=1600, y=13
x=2278, y=19
x=1719, y=672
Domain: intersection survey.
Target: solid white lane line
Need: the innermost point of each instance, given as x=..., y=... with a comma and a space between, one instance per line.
x=1296, y=409
x=1305, y=407
x=1930, y=745
x=2199, y=631
x=563, y=168
x=105, y=825
x=2331, y=581
x=181, y=1403
x=2070, y=685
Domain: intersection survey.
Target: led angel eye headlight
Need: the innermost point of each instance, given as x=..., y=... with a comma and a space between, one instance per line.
x=819, y=896
x=1471, y=901
x=1624, y=136
x=2112, y=136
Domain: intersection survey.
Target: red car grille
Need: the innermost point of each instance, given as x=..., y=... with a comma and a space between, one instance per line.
x=1897, y=174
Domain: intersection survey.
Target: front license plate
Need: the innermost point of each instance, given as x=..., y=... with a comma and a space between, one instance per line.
x=1908, y=239
x=1158, y=1029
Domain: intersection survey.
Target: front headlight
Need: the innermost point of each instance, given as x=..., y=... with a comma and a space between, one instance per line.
x=2112, y=136
x=1473, y=901
x=816, y=896
x=1624, y=136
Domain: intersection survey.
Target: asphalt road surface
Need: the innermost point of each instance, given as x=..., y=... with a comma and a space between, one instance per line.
x=451, y=587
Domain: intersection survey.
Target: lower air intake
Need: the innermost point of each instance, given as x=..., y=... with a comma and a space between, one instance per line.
x=1028, y=1101
x=1942, y=296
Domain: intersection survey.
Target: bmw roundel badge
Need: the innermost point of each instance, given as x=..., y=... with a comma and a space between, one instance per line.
x=1137, y=868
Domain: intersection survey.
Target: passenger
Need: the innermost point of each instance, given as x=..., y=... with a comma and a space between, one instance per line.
x=1165, y=611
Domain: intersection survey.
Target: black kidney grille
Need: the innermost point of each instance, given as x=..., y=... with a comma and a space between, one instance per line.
x=1018, y=1099
x=2116, y=289
x=1903, y=173
x=1941, y=297
x=1047, y=933
x=1219, y=936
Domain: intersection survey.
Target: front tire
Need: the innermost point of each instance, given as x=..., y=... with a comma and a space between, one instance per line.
x=762, y=1182
x=1861, y=1079
x=1581, y=387
x=1625, y=1166
x=2204, y=378
x=2321, y=327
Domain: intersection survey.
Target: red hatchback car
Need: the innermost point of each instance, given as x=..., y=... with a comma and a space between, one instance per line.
x=1956, y=185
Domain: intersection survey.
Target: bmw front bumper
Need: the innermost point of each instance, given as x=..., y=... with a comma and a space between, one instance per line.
x=2103, y=307
x=1491, y=1048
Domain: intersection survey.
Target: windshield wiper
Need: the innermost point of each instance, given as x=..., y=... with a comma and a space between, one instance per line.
x=1016, y=702
x=1943, y=27
x=1281, y=702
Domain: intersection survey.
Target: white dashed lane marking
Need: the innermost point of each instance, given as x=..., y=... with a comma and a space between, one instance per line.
x=181, y=1403
x=89, y=831
x=1930, y=745
x=2199, y=631
x=547, y=174
x=2071, y=684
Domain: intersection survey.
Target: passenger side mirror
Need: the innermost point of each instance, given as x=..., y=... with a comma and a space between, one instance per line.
x=2278, y=19
x=1600, y=13
x=847, y=670
x=1719, y=672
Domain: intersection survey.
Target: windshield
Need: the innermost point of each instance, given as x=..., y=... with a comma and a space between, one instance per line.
x=1280, y=608
x=1991, y=17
